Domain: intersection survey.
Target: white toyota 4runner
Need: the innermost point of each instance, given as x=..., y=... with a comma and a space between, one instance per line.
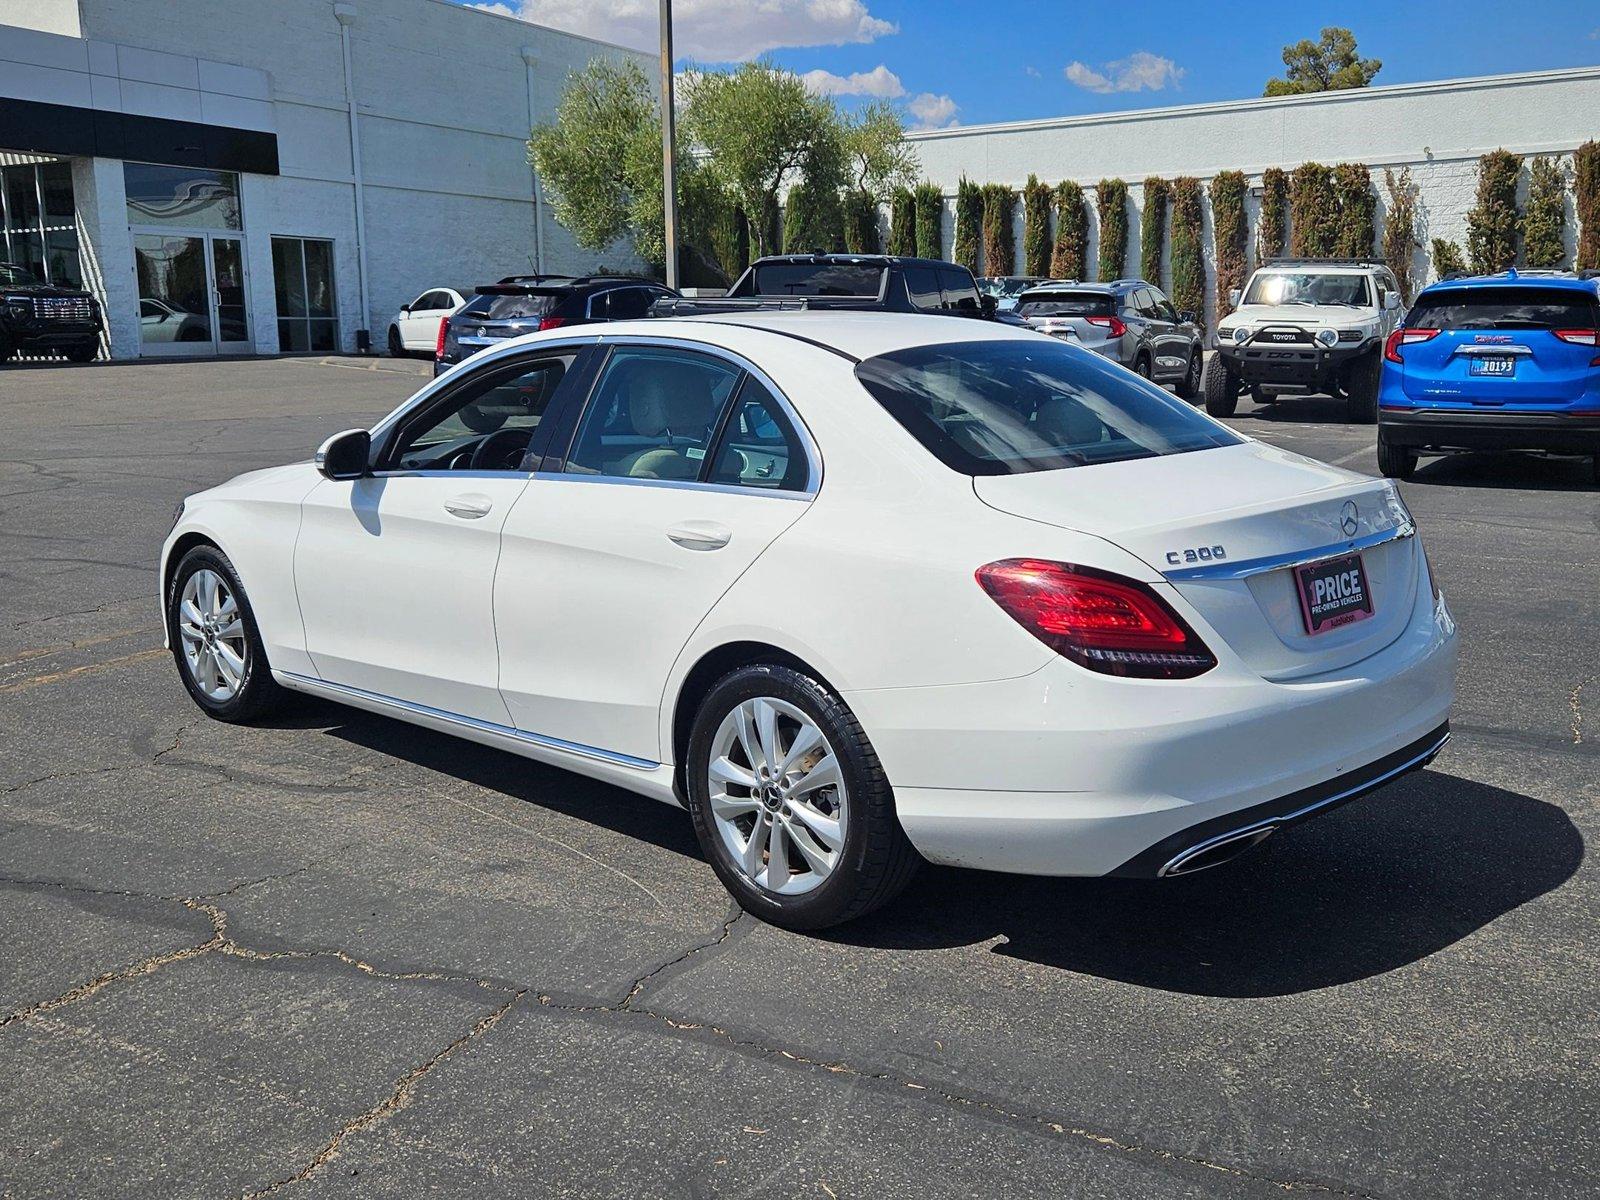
x=1305, y=325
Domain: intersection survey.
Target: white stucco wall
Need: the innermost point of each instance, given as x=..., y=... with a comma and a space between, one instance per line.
x=1437, y=129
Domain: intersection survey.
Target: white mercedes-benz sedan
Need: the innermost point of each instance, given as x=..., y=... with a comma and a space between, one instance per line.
x=856, y=590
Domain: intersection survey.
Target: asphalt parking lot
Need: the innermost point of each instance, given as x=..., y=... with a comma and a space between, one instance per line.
x=336, y=955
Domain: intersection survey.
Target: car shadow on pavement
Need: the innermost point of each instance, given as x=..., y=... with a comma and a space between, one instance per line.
x=1528, y=472
x=1295, y=410
x=1367, y=889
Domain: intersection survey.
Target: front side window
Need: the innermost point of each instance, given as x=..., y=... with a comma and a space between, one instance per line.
x=1013, y=407
x=1505, y=308
x=652, y=415
x=960, y=292
x=922, y=285
x=759, y=447
x=488, y=425
x=1308, y=287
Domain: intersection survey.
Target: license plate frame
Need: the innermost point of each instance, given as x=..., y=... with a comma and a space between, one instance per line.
x=1345, y=595
x=1493, y=366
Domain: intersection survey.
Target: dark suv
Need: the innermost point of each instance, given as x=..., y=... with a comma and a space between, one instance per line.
x=863, y=282
x=521, y=304
x=37, y=317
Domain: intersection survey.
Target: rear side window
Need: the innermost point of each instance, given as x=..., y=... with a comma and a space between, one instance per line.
x=922, y=284
x=818, y=279
x=758, y=447
x=960, y=292
x=1013, y=407
x=1065, y=304
x=1505, y=308
x=500, y=306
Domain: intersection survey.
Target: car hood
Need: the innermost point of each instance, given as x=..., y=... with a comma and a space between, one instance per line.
x=265, y=480
x=1298, y=314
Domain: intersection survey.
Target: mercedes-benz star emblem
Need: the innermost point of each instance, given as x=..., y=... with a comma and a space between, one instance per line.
x=1349, y=518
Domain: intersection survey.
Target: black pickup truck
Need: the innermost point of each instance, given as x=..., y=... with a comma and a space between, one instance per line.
x=864, y=282
x=36, y=317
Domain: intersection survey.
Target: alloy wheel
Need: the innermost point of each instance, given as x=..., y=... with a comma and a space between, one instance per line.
x=779, y=801
x=215, y=649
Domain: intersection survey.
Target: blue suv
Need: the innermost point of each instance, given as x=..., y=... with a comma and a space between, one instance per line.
x=1493, y=362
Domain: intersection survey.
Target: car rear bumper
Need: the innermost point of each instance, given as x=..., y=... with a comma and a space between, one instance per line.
x=1490, y=429
x=1060, y=773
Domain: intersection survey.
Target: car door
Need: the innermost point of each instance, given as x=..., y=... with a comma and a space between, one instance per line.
x=395, y=571
x=409, y=319
x=623, y=542
x=1162, y=330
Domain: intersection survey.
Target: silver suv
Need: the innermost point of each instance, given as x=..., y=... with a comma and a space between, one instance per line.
x=1129, y=321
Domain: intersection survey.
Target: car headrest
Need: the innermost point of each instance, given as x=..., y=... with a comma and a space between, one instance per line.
x=662, y=398
x=1067, y=423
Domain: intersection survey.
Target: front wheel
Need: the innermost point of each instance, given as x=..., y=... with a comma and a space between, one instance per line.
x=790, y=802
x=1221, y=388
x=7, y=346
x=1395, y=462
x=215, y=640
x=1189, y=385
x=397, y=348
x=1361, y=392
x=84, y=352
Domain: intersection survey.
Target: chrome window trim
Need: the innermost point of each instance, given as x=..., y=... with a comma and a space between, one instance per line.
x=520, y=735
x=730, y=489
x=1247, y=567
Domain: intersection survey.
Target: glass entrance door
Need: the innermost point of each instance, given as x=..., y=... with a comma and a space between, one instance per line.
x=192, y=294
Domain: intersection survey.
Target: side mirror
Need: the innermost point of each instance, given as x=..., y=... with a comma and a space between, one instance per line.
x=989, y=305
x=1234, y=296
x=344, y=455
x=1391, y=301
x=405, y=309
x=1186, y=315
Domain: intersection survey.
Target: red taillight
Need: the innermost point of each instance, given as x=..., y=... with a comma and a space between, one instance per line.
x=552, y=322
x=1405, y=337
x=438, y=345
x=1116, y=325
x=1100, y=621
x=1578, y=337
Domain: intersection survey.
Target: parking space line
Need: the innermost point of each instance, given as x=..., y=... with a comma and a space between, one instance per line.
x=110, y=664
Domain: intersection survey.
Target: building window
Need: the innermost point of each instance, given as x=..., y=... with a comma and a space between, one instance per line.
x=302, y=276
x=181, y=197
x=40, y=232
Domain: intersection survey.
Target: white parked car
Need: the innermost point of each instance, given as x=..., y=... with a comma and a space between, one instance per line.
x=415, y=328
x=854, y=589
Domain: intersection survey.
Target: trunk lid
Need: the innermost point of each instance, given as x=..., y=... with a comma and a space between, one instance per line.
x=1267, y=509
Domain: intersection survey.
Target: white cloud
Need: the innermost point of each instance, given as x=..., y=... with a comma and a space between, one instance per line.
x=709, y=30
x=932, y=112
x=879, y=82
x=1141, y=71
x=1031, y=72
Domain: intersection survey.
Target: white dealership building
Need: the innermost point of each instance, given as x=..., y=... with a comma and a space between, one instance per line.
x=278, y=176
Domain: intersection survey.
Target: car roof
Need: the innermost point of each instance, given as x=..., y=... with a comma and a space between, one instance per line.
x=871, y=260
x=1542, y=279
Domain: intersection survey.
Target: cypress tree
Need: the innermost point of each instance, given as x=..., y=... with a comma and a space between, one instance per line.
x=1112, y=202
x=930, y=220
x=1231, y=227
x=999, y=243
x=1071, y=257
x=902, y=222
x=1274, y=213
x=1492, y=223
x=1153, y=228
x=969, y=222
x=1188, y=253
x=1035, y=227
x=1544, y=242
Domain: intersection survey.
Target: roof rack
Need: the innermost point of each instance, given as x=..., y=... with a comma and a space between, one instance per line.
x=530, y=278
x=1324, y=262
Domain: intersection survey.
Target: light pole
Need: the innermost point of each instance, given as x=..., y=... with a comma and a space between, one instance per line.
x=669, y=169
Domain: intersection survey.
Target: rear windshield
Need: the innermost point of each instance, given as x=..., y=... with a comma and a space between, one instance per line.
x=818, y=279
x=1307, y=287
x=1012, y=407
x=1505, y=308
x=1065, y=304
x=499, y=307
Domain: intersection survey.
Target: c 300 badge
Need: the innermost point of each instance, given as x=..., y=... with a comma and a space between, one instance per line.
x=1197, y=554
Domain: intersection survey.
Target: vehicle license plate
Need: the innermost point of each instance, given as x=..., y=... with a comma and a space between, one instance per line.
x=1501, y=367
x=1333, y=593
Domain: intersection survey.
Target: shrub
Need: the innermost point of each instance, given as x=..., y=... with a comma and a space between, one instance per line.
x=999, y=243
x=1544, y=224
x=861, y=222
x=812, y=220
x=930, y=220
x=969, y=220
x=1070, y=258
x=1400, y=228
x=1358, y=211
x=1231, y=228
x=1112, y=201
x=1035, y=227
x=1313, y=211
x=1274, y=213
x=902, y=222
x=1492, y=223
x=1586, y=186
x=1447, y=259
x=1188, y=254
x=1153, y=228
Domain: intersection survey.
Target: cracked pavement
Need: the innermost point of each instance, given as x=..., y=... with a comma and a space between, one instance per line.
x=334, y=955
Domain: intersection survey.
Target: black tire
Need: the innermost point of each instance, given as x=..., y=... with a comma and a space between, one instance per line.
x=1361, y=391
x=1395, y=462
x=1261, y=396
x=397, y=348
x=876, y=860
x=87, y=352
x=1141, y=366
x=260, y=694
x=193, y=335
x=7, y=347
x=1594, y=468
x=1220, y=386
x=1189, y=386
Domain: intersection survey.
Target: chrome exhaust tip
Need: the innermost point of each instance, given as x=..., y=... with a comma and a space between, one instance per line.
x=1213, y=852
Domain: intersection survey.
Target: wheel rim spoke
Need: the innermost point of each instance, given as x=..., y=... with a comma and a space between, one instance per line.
x=777, y=856
x=823, y=827
x=754, y=848
x=805, y=741
x=744, y=715
x=826, y=772
x=230, y=665
x=211, y=631
x=766, y=720
x=728, y=807
x=724, y=770
x=822, y=864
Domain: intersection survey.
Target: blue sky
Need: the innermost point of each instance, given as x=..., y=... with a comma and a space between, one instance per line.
x=950, y=61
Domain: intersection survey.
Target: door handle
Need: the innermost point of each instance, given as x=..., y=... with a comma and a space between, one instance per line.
x=469, y=507
x=701, y=535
